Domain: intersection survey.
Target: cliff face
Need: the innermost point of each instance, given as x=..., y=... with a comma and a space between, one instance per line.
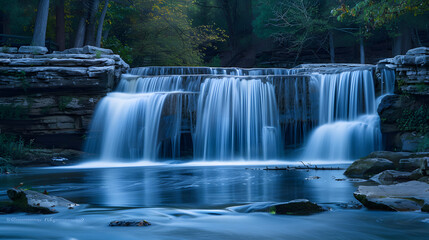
x=405, y=116
x=51, y=97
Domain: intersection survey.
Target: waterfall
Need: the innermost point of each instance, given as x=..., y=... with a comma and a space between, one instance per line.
x=125, y=126
x=126, y=123
x=387, y=81
x=236, y=118
x=349, y=124
x=223, y=114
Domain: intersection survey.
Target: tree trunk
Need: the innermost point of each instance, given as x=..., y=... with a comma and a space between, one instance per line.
x=331, y=46
x=60, y=26
x=362, y=51
x=39, y=35
x=100, y=24
x=397, y=45
x=80, y=33
x=90, y=27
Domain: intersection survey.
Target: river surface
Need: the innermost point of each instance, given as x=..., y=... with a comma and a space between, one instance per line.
x=192, y=202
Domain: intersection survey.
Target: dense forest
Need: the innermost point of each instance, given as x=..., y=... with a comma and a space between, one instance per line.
x=225, y=32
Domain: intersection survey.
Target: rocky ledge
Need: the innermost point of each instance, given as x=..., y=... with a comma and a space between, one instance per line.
x=51, y=97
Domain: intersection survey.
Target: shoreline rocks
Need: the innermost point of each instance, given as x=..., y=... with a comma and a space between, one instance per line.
x=408, y=196
x=34, y=202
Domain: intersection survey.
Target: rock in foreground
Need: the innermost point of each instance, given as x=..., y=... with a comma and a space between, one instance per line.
x=366, y=168
x=295, y=207
x=408, y=196
x=140, y=223
x=35, y=202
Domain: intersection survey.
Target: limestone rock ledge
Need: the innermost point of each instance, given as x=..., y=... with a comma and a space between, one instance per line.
x=51, y=97
x=404, y=116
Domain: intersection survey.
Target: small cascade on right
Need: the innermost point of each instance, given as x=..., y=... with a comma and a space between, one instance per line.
x=349, y=126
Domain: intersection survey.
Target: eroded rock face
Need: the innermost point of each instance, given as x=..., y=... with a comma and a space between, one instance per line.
x=366, y=168
x=51, y=97
x=408, y=196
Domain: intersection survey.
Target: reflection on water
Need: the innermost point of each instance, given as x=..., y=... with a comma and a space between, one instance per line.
x=191, y=203
x=184, y=186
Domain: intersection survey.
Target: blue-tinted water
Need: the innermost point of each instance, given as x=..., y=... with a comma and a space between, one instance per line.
x=191, y=202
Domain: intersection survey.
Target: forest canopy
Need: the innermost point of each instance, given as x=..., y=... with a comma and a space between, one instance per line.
x=226, y=32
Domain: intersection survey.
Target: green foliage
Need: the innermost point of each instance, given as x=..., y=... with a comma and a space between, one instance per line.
x=424, y=144
x=160, y=32
x=13, y=112
x=5, y=49
x=377, y=13
x=123, y=50
x=97, y=54
x=6, y=166
x=417, y=120
x=295, y=23
x=63, y=101
x=12, y=147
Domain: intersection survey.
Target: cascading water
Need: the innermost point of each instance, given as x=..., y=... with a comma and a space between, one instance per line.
x=126, y=123
x=237, y=119
x=349, y=124
x=231, y=113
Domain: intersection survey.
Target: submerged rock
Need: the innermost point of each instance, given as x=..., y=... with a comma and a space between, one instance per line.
x=408, y=196
x=295, y=207
x=140, y=223
x=366, y=168
x=35, y=202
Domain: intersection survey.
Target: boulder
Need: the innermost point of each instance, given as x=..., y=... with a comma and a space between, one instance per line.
x=36, y=202
x=130, y=223
x=36, y=50
x=410, y=164
x=391, y=176
x=366, y=168
x=418, y=51
x=295, y=207
x=408, y=196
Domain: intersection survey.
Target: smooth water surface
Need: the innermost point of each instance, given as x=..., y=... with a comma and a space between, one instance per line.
x=191, y=202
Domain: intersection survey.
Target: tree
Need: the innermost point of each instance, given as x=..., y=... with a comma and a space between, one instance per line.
x=60, y=25
x=297, y=24
x=100, y=24
x=41, y=23
x=160, y=32
x=91, y=22
x=80, y=33
x=393, y=15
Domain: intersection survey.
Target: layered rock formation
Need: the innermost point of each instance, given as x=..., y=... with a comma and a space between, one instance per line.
x=51, y=97
x=405, y=116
